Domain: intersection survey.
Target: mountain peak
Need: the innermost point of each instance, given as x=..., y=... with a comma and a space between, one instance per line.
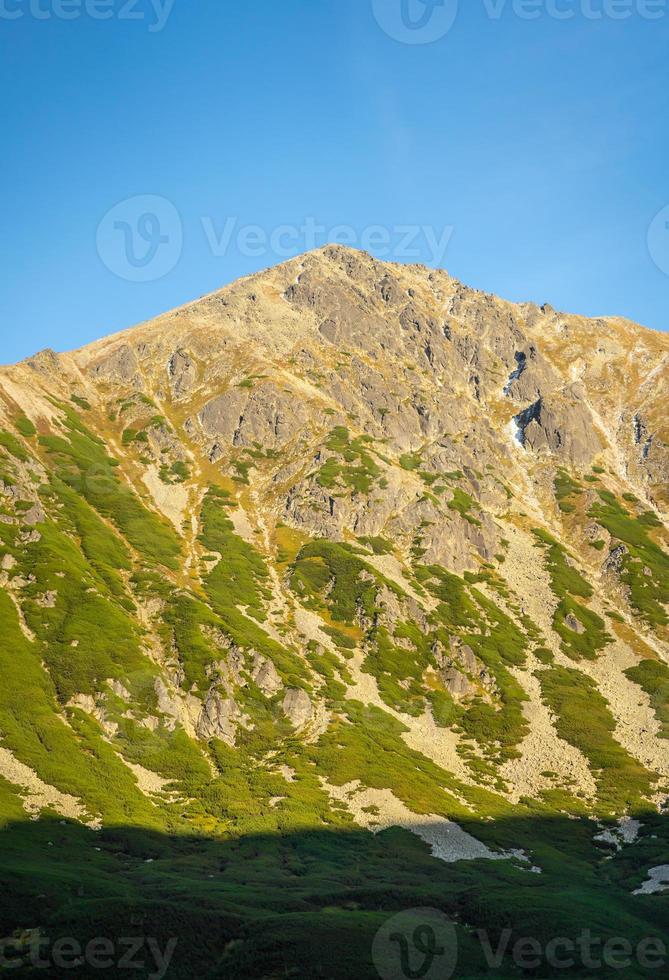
x=344, y=547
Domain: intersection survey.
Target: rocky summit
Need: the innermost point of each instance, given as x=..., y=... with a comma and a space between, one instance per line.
x=338, y=594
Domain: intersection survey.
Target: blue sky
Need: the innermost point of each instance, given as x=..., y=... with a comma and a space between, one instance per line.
x=527, y=156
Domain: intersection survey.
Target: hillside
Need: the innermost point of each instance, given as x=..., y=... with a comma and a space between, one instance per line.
x=341, y=591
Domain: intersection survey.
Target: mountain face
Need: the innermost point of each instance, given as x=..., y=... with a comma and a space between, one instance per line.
x=339, y=592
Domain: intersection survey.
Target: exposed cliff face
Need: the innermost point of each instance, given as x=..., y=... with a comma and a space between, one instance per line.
x=336, y=505
x=415, y=356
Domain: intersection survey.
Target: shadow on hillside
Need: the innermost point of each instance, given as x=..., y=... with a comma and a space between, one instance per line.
x=309, y=904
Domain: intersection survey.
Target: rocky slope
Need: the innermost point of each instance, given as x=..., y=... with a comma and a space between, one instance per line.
x=344, y=545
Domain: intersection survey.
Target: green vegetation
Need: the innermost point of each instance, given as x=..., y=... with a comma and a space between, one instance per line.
x=463, y=503
x=583, y=719
x=249, y=382
x=81, y=402
x=240, y=850
x=135, y=401
x=82, y=463
x=307, y=901
x=501, y=726
x=240, y=581
x=171, y=754
x=88, y=636
x=321, y=564
x=357, y=472
x=566, y=487
x=132, y=435
x=645, y=566
x=498, y=725
x=653, y=677
x=399, y=675
x=178, y=472
x=25, y=426
x=582, y=631
x=565, y=577
x=242, y=470
x=378, y=545
x=410, y=461
x=342, y=640
x=186, y=621
x=72, y=757
x=240, y=578
x=12, y=444
x=101, y=546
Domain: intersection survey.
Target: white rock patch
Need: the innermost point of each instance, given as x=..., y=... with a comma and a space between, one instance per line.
x=310, y=626
x=658, y=881
x=389, y=566
x=379, y=809
x=170, y=500
x=516, y=434
x=241, y=524
x=149, y=782
x=625, y=833
x=38, y=795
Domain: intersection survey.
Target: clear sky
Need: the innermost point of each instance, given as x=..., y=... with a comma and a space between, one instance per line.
x=524, y=148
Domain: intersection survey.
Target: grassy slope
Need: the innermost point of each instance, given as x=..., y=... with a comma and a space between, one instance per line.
x=252, y=886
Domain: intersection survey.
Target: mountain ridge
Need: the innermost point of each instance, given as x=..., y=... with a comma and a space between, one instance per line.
x=350, y=250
